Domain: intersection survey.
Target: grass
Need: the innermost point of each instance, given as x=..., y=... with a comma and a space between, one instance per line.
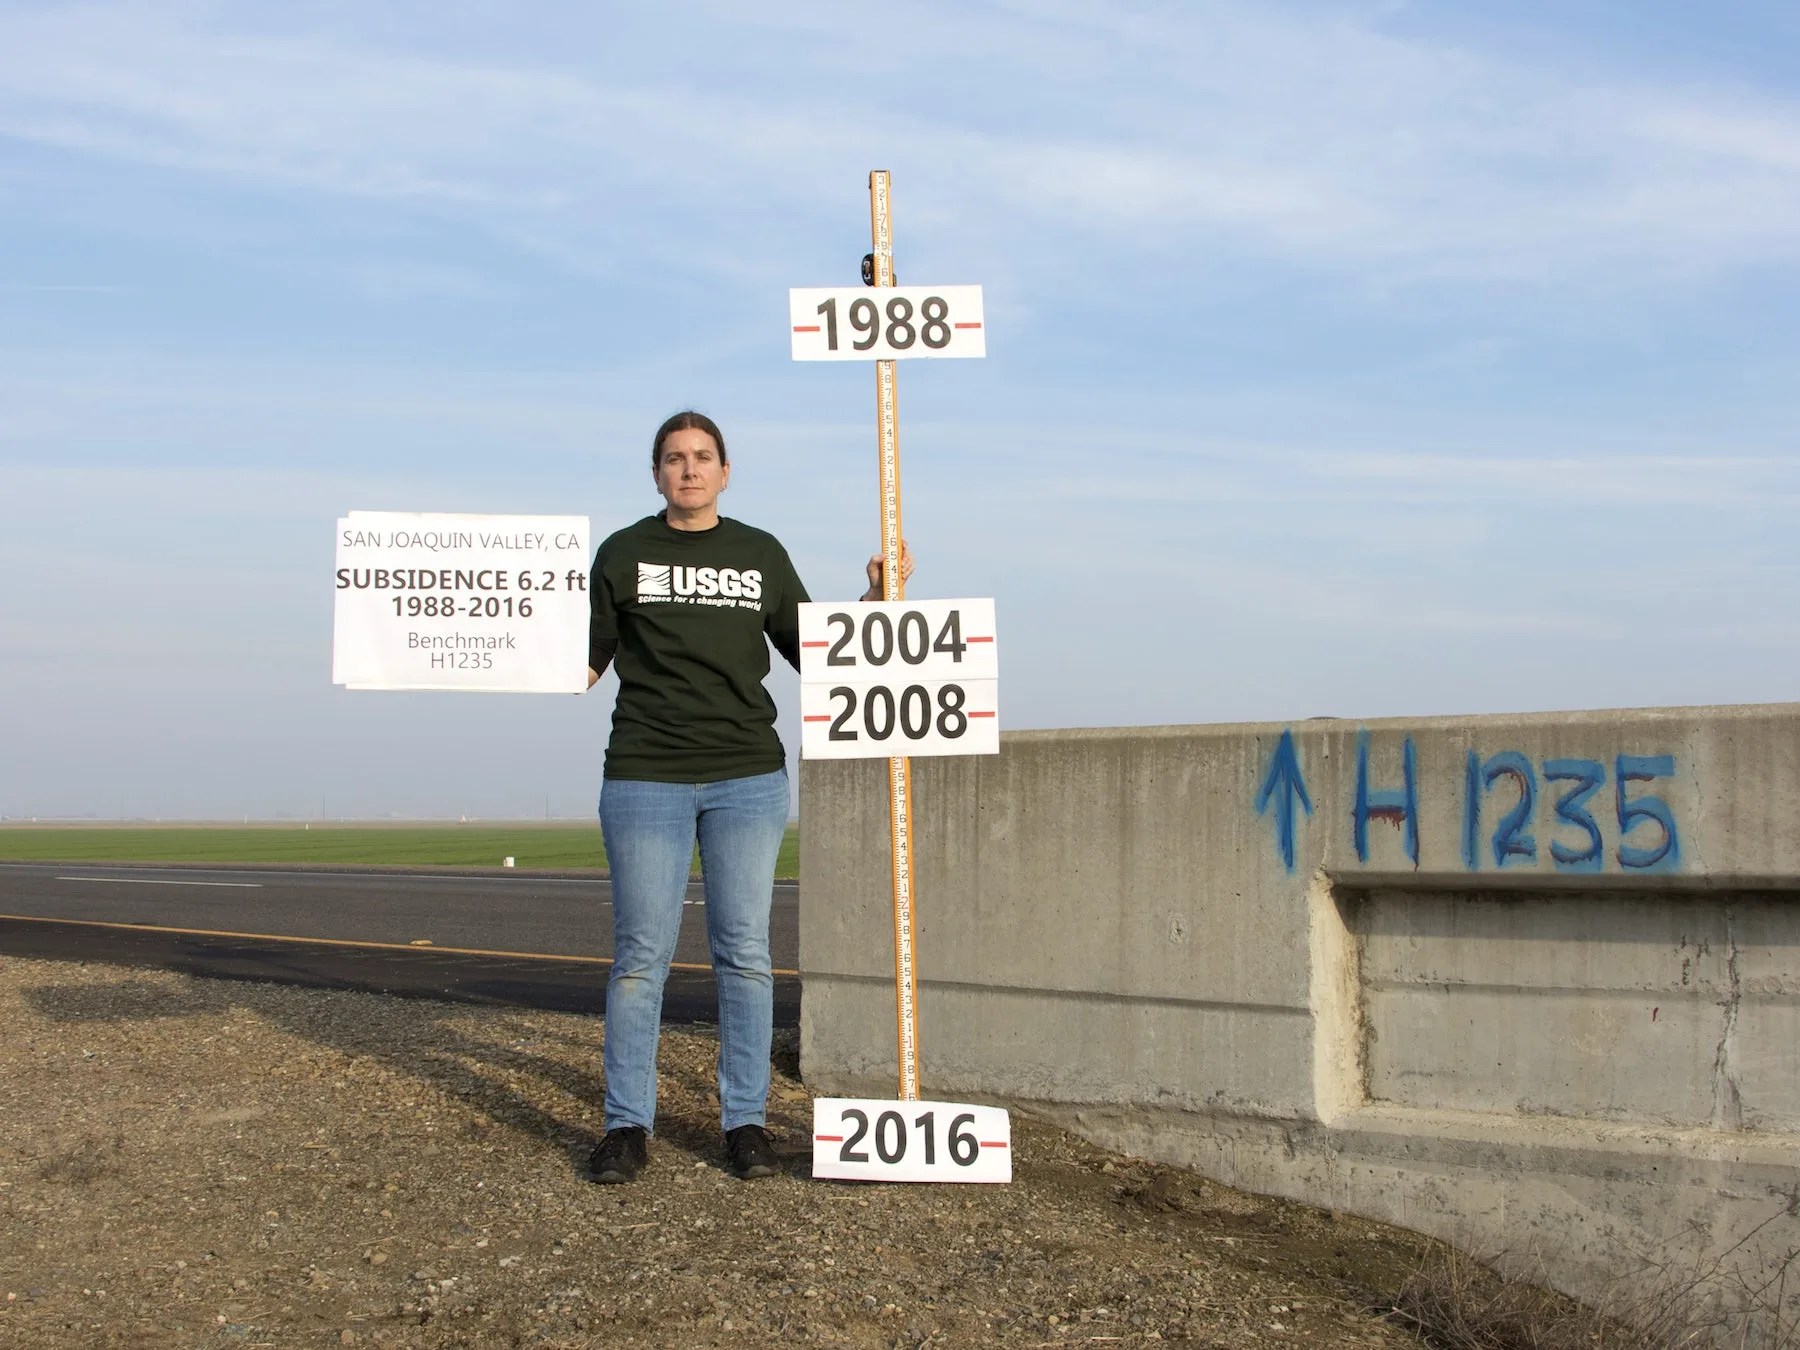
x=555, y=847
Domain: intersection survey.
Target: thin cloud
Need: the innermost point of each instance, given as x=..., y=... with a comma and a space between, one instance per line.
x=61, y=288
x=1323, y=140
x=1714, y=482
x=1289, y=476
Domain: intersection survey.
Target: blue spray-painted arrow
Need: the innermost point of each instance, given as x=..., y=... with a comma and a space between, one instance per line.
x=1282, y=785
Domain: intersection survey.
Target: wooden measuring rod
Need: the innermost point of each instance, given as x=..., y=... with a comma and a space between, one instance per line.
x=944, y=701
x=893, y=587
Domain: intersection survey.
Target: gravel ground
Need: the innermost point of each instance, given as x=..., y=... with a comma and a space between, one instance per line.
x=192, y=1162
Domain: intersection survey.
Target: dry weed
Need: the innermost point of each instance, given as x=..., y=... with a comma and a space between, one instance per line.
x=1676, y=1300
x=88, y=1161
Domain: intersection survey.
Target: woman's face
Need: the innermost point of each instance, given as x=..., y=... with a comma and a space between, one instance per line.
x=689, y=472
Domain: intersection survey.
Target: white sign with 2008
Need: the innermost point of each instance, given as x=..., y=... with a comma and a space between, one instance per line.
x=899, y=677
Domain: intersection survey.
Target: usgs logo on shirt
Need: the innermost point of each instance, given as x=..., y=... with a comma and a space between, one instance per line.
x=663, y=581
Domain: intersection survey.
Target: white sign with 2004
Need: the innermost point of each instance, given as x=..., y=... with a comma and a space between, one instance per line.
x=899, y=677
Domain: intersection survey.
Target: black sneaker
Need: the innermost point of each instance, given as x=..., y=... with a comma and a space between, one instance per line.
x=620, y=1156
x=748, y=1154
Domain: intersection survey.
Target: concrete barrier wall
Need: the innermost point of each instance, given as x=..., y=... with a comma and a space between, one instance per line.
x=1531, y=984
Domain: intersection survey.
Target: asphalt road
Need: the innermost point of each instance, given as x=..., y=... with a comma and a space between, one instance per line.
x=493, y=937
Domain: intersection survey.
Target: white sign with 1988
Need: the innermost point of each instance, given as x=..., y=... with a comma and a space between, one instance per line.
x=898, y=677
x=868, y=1140
x=885, y=323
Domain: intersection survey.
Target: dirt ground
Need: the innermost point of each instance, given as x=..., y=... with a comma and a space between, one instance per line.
x=190, y=1162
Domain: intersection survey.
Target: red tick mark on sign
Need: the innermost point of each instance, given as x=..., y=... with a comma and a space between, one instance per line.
x=982, y=639
x=806, y=328
x=816, y=717
x=968, y=325
x=981, y=714
x=820, y=643
x=993, y=1143
x=829, y=1138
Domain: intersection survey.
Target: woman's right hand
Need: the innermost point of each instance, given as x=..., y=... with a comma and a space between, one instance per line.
x=877, y=566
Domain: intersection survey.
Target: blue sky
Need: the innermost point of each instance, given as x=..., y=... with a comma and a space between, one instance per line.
x=1345, y=359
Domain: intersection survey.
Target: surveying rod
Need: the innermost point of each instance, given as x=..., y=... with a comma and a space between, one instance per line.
x=893, y=587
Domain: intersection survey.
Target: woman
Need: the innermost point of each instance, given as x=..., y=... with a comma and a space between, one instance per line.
x=685, y=603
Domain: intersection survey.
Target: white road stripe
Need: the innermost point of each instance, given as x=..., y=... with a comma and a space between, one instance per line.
x=781, y=883
x=145, y=881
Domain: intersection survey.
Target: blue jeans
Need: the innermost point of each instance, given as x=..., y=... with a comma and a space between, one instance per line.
x=650, y=829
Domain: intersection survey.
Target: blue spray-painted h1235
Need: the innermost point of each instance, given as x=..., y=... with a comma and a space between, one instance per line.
x=1648, y=838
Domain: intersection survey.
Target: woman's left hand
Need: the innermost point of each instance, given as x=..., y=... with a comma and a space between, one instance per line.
x=877, y=566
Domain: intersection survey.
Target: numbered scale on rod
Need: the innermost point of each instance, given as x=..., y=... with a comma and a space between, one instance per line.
x=892, y=680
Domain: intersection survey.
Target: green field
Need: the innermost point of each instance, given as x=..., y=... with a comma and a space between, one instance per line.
x=557, y=847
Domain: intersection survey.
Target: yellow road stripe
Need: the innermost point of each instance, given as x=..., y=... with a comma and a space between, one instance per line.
x=352, y=942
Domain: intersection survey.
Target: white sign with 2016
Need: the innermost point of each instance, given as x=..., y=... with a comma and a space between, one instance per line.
x=857, y=1139
x=898, y=678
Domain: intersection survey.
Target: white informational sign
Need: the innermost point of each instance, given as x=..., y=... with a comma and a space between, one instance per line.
x=857, y=1140
x=490, y=603
x=885, y=323
x=899, y=678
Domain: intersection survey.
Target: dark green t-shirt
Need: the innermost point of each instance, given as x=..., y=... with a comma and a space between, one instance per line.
x=686, y=613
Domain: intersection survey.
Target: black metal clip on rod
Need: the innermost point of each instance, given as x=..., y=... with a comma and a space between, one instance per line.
x=868, y=271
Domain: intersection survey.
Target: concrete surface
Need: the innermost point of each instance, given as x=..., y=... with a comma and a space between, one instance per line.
x=1531, y=983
